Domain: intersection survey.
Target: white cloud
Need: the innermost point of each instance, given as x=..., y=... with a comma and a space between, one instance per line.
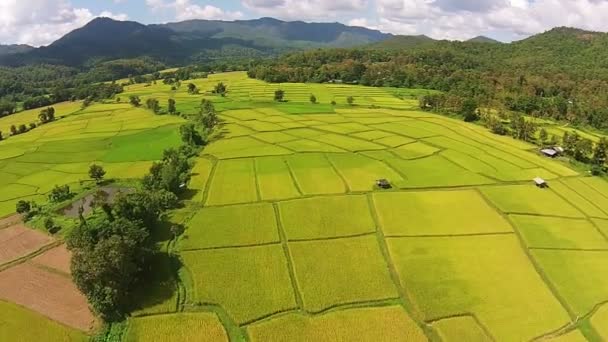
x=306, y=9
x=40, y=22
x=512, y=19
x=186, y=10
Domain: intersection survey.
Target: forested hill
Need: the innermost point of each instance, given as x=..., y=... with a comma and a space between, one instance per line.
x=561, y=73
x=190, y=41
x=14, y=48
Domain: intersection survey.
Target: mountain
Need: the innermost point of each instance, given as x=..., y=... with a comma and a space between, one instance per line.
x=105, y=39
x=14, y=48
x=483, y=39
x=403, y=42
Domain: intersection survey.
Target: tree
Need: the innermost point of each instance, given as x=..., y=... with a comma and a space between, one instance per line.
x=313, y=99
x=87, y=102
x=60, y=194
x=543, y=135
x=108, y=258
x=32, y=125
x=22, y=129
x=192, y=89
x=350, y=100
x=172, y=173
x=468, y=110
x=279, y=95
x=220, y=88
x=14, y=130
x=190, y=135
x=153, y=105
x=1, y=136
x=495, y=125
x=96, y=172
x=207, y=115
x=600, y=152
x=583, y=148
x=171, y=106
x=134, y=100
x=23, y=207
x=144, y=206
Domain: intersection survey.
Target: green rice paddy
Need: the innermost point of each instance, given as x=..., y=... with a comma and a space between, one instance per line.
x=288, y=237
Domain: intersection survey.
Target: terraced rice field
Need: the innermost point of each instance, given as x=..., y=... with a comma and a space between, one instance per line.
x=288, y=238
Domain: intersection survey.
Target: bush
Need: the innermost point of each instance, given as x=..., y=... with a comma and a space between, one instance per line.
x=60, y=194
x=23, y=207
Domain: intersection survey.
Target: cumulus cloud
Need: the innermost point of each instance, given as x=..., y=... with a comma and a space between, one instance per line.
x=186, y=10
x=40, y=22
x=305, y=9
x=462, y=19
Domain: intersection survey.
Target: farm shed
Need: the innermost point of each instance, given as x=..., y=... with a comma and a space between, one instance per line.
x=541, y=183
x=383, y=183
x=549, y=152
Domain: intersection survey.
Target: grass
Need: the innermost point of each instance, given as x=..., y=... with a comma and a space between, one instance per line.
x=555, y=232
x=19, y=324
x=309, y=169
x=326, y=217
x=360, y=172
x=463, y=328
x=586, y=206
x=234, y=182
x=528, y=199
x=274, y=179
x=248, y=283
x=437, y=213
x=185, y=326
x=578, y=276
x=600, y=321
x=333, y=272
x=365, y=324
x=481, y=275
x=230, y=226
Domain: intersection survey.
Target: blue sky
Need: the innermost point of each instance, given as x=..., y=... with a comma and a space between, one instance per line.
x=40, y=22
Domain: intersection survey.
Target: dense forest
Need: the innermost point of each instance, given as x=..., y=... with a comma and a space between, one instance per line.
x=560, y=74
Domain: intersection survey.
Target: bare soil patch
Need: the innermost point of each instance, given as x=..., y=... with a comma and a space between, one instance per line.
x=10, y=221
x=47, y=292
x=57, y=259
x=18, y=241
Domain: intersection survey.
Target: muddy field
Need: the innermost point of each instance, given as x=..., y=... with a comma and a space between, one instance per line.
x=48, y=292
x=18, y=241
x=57, y=259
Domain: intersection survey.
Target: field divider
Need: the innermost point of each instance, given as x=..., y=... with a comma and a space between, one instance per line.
x=337, y=171
x=426, y=236
x=31, y=255
x=288, y=258
x=539, y=270
x=202, y=249
x=470, y=315
x=407, y=301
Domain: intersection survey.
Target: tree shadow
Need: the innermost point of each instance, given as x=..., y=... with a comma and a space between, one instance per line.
x=158, y=288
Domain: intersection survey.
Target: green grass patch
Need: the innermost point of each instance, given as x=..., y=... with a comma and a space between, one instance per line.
x=437, y=213
x=200, y=177
x=185, y=326
x=305, y=145
x=463, y=328
x=19, y=324
x=488, y=276
x=347, y=143
x=248, y=283
x=528, y=199
x=333, y=272
x=147, y=145
x=361, y=172
x=599, y=320
x=233, y=182
x=274, y=179
x=415, y=150
x=602, y=225
x=365, y=324
x=555, y=232
x=434, y=171
x=579, y=276
x=325, y=217
x=231, y=226
x=591, y=189
x=314, y=174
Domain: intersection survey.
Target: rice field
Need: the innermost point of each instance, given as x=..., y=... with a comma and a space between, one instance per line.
x=289, y=238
